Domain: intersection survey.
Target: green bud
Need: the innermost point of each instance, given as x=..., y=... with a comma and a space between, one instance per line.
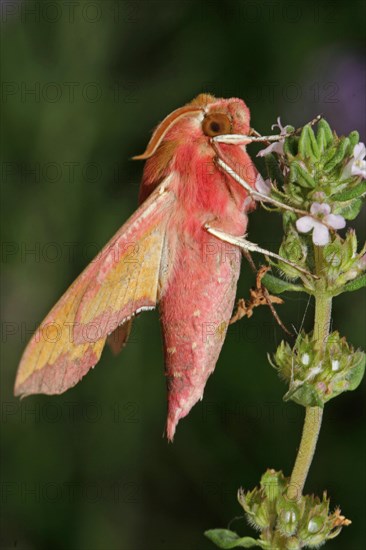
x=273, y=484
x=316, y=376
x=257, y=508
x=294, y=249
x=293, y=543
x=288, y=514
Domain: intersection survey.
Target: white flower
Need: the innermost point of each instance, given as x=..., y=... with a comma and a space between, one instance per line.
x=263, y=186
x=320, y=226
x=277, y=146
x=357, y=165
x=305, y=359
x=335, y=364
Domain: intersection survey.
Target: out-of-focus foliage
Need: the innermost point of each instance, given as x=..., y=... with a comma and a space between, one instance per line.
x=83, y=84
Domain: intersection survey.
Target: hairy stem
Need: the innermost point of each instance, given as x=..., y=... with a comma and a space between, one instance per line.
x=313, y=415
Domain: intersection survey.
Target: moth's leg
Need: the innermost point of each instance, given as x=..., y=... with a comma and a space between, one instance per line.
x=242, y=243
x=242, y=139
x=253, y=193
x=256, y=137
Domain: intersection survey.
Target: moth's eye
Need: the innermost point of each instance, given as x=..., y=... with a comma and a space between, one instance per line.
x=216, y=124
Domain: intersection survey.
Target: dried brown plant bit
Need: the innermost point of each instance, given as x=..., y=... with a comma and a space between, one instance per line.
x=259, y=296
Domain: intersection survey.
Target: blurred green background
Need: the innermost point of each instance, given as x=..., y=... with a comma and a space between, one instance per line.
x=83, y=84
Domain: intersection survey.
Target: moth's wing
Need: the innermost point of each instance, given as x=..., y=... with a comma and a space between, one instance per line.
x=61, y=352
x=126, y=283
x=118, y=338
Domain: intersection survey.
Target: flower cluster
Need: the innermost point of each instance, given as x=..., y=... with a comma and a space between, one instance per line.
x=284, y=523
x=323, y=173
x=317, y=375
x=320, y=180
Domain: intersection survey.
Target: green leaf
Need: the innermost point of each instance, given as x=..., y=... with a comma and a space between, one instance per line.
x=308, y=146
x=348, y=209
x=314, y=144
x=357, y=372
x=339, y=155
x=273, y=169
x=223, y=538
x=321, y=139
x=354, y=138
x=300, y=175
x=304, y=394
x=290, y=146
x=356, y=284
x=351, y=193
x=324, y=126
x=277, y=286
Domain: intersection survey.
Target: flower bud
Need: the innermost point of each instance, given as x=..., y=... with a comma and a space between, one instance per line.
x=316, y=376
x=293, y=543
x=288, y=514
x=294, y=249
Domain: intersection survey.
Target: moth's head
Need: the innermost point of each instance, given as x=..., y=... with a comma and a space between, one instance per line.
x=223, y=116
x=204, y=117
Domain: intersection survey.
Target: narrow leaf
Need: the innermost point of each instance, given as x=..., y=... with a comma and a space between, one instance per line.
x=339, y=156
x=352, y=193
x=354, y=138
x=321, y=139
x=356, y=284
x=223, y=538
x=273, y=169
x=277, y=286
x=313, y=144
x=299, y=175
x=324, y=126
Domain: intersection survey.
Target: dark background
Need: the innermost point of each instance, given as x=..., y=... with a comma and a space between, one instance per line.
x=84, y=83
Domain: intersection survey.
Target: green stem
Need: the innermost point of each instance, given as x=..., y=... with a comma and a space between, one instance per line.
x=313, y=415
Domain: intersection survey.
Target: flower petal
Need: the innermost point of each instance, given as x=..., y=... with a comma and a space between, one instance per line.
x=319, y=208
x=335, y=220
x=359, y=151
x=347, y=170
x=263, y=186
x=276, y=147
x=359, y=168
x=305, y=224
x=320, y=234
x=278, y=125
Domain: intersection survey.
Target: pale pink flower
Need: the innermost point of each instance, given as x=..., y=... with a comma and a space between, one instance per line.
x=319, y=222
x=357, y=165
x=276, y=146
x=263, y=186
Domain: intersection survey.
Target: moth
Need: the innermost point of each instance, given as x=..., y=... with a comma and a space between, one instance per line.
x=167, y=255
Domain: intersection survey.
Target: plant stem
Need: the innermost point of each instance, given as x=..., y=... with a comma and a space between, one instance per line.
x=313, y=415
